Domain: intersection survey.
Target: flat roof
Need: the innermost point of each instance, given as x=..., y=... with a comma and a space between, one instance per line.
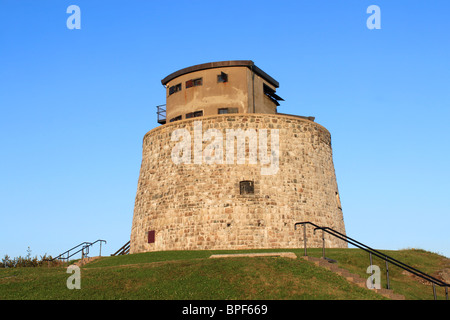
x=219, y=64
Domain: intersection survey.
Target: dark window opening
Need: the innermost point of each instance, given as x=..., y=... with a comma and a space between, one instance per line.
x=228, y=110
x=270, y=93
x=174, y=88
x=194, y=114
x=246, y=187
x=194, y=82
x=151, y=236
x=175, y=119
x=222, y=77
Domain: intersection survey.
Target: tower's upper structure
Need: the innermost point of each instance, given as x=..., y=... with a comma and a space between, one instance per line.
x=219, y=87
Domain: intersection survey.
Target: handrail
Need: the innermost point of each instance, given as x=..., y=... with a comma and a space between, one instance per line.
x=85, y=246
x=57, y=257
x=99, y=240
x=393, y=260
x=123, y=249
x=80, y=250
x=377, y=253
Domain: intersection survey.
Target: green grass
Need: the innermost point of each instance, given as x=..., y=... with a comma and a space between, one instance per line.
x=183, y=275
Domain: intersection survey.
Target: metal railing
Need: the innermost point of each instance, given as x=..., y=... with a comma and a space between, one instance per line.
x=125, y=249
x=371, y=252
x=161, y=113
x=84, y=250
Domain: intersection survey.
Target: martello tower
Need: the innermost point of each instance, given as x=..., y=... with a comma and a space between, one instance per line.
x=226, y=170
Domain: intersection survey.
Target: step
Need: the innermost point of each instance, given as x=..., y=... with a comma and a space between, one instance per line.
x=86, y=260
x=389, y=294
x=349, y=276
x=396, y=296
x=290, y=255
x=360, y=283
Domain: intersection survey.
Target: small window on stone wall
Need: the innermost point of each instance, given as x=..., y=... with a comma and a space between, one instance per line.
x=246, y=187
x=151, y=236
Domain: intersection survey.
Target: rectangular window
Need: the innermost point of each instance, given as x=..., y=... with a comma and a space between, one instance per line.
x=194, y=82
x=222, y=77
x=194, y=114
x=151, y=236
x=198, y=82
x=246, y=187
x=228, y=110
x=175, y=119
x=174, y=89
x=189, y=84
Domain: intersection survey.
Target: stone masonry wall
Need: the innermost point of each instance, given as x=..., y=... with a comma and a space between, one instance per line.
x=199, y=206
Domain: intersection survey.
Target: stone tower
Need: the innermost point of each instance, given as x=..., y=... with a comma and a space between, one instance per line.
x=225, y=170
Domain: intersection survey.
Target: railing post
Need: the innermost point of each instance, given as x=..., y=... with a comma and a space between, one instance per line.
x=323, y=244
x=304, y=238
x=387, y=274
x=434, y=291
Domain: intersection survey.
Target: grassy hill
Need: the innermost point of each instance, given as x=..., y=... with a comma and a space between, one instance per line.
x=183, y=275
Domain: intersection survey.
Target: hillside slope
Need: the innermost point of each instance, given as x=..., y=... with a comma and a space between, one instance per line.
x=191, y=275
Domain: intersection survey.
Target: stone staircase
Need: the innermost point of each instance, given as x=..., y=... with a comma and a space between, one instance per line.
x=351, y=277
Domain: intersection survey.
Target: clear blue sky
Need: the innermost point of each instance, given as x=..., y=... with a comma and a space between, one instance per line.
x=75, y=105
